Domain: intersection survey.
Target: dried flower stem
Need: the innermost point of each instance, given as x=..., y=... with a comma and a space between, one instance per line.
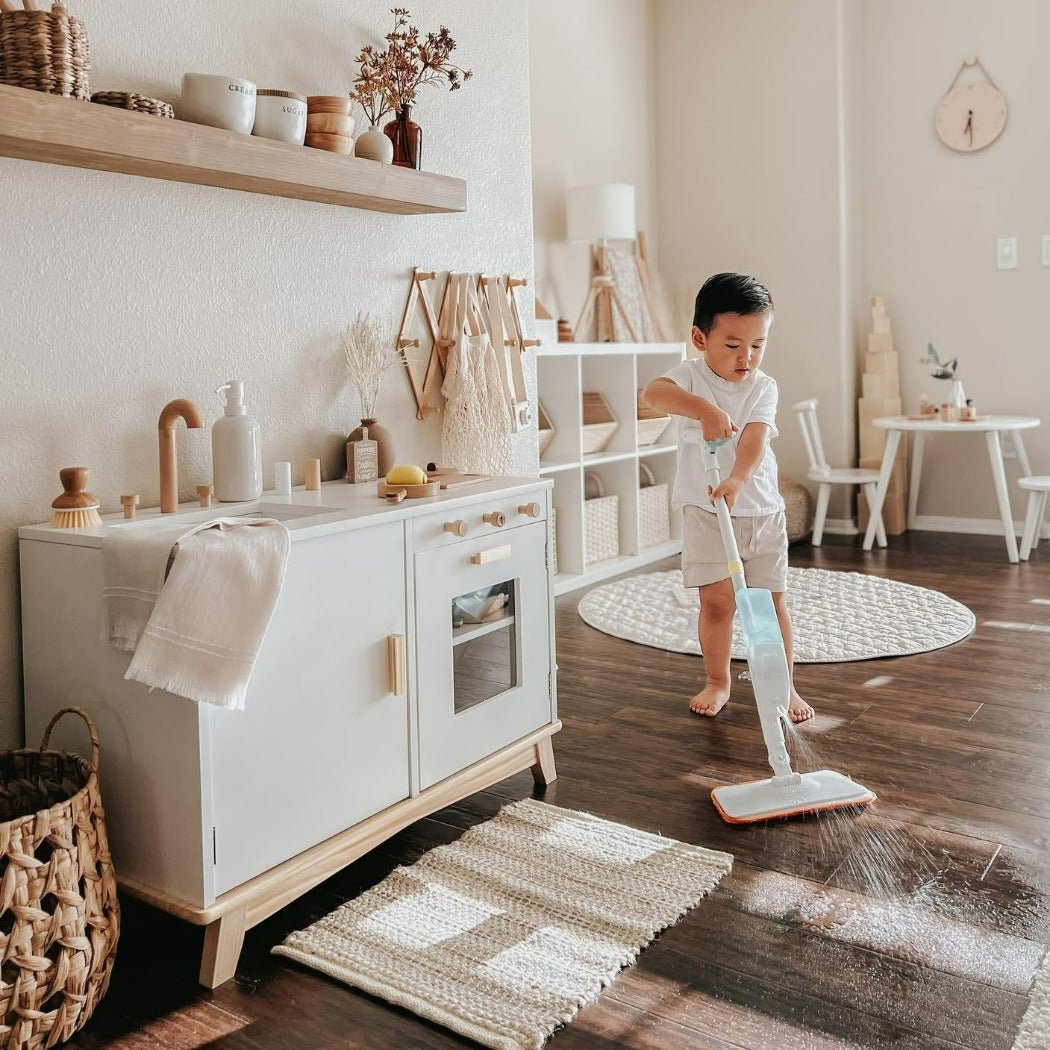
x=368, y=352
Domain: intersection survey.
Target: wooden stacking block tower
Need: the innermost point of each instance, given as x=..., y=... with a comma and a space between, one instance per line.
x=881, y=396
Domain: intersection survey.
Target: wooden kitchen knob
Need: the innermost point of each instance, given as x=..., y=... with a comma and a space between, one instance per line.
x=496, y=518
x=204, y=495
x=457, y=528
x=129, y=503
x=530, y=510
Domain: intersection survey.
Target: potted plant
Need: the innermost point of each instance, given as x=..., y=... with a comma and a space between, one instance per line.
x=413, y=60
x=372, y=93
x=368, y=352
x=946, y=370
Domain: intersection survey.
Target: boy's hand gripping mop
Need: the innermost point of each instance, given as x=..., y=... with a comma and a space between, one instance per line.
x=785, y=794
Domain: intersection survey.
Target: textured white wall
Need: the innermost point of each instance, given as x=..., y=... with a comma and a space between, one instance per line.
x=752, y=176
x=592, y=121
x=932, y=216
x=121, y=293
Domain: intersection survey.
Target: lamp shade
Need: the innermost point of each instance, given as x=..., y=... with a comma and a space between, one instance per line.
x=600, y=213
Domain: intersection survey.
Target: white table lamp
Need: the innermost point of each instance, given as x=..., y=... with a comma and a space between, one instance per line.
x=598, y=214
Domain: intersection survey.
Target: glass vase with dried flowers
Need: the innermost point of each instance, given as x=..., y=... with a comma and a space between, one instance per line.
x=369, y=351
x=372, y=93
x=414, y=60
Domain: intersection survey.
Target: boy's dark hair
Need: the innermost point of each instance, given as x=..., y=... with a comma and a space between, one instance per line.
x=729, y=293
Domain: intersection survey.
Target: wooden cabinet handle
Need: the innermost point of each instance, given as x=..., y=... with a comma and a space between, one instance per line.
x=530, y=510
x=491, y=555
x=395, y=659
x=496, y=518
x=457, y=528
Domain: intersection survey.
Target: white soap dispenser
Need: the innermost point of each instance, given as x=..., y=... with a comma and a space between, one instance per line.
x=236, y=449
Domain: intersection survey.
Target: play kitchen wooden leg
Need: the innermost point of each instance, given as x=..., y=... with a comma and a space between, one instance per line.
x=223, y=940
x=995, y=456
x=918, y=443
x=544, y=772
x=893, y=440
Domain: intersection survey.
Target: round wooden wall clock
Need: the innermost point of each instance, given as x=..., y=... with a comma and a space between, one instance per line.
x=973, y=115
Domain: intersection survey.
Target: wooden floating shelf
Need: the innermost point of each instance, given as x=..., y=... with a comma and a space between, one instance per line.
x=38, y=126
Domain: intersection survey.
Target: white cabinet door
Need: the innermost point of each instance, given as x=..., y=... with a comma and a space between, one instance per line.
x=481, y=686
x=322, y=742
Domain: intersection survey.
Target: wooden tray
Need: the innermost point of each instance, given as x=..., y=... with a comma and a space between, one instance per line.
x=426, y=491
x=450, y=478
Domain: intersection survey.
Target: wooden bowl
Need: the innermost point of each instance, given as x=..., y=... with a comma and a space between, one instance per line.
x=330, y=124
x=328, y=104
x=426, y=491
x=332, y=143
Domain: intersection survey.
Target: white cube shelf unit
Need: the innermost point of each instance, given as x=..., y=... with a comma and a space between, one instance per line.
x=617, y=371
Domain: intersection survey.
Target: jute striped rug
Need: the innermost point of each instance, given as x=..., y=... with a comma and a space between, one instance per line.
x=504, y=934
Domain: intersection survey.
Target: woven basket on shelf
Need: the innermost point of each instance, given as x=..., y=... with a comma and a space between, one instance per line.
x=45, y=51
x=651, y=424
x=601, y=522
x=654, y=509
x=136, y=103
x=59, y=915
x=599, y=423
x=798, y=509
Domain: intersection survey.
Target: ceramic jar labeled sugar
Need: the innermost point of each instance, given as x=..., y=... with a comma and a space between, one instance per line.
x=280, y=115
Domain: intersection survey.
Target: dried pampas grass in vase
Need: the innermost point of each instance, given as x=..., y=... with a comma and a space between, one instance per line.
x=370, y=351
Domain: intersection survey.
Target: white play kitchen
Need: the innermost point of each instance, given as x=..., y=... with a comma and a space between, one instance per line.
x=378, y=695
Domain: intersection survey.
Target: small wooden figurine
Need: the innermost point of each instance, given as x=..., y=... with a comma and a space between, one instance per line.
x=362, y=459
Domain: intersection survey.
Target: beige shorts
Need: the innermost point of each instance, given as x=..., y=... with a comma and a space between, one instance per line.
x=762, y=542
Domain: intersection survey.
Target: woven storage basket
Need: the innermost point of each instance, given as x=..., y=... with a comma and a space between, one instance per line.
x=136, y=103
x=651, y=424
x=545, y=429
x=59, y=915
x=654, y=511
x=599, y=423
x=798, y=509
x=601, y=522
x=45, y=51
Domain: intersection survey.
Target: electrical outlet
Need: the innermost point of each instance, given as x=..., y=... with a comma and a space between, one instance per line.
x=1006, y=253
x=1006, y=440
x=1046, y=249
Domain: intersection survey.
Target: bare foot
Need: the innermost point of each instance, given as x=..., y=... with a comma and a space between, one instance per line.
x=798, y=709
x=710, y=700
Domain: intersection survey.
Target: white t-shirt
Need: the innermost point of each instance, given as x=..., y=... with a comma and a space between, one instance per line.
x=752, y=401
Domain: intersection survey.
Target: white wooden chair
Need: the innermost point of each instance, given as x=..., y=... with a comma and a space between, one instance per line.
x=826, y=476
x=1038, y=489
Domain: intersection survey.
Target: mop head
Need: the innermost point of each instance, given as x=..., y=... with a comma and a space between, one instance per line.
x=811, y=793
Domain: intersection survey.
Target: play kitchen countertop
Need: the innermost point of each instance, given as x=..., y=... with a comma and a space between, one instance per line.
x=334, y=507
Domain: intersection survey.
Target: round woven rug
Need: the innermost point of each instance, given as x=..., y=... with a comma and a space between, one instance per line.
x=838, y=616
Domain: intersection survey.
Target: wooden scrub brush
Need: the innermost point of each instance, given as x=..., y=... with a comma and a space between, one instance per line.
x=75, y=508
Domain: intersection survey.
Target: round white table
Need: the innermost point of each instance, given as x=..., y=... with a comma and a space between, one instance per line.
x=991, y=427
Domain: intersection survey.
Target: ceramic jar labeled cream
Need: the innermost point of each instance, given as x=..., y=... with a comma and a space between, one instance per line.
x=221, y=102
x=280, y=115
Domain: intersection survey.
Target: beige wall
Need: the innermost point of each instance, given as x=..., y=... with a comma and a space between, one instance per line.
x=752, y=175
x=932, y=216
x=592, y=108
x=121, y=293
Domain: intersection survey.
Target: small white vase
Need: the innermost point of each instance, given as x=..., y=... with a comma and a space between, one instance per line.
x=957, y=397
x=374, y=145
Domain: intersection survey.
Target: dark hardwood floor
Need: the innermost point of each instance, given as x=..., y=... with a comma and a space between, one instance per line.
x=793, y=950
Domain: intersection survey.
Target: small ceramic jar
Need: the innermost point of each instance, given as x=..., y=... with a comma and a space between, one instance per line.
x=280, y=115
x=220, y=102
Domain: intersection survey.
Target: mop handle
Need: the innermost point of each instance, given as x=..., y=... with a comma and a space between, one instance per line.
x=709, y=455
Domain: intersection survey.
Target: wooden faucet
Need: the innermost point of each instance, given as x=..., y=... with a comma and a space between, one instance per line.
x=180, y=408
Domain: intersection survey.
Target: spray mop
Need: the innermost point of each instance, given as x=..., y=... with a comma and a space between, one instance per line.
x=786, y=793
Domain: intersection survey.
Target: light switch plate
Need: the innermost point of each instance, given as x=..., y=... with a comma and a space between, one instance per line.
x=1046, y=249
x=1006, y=253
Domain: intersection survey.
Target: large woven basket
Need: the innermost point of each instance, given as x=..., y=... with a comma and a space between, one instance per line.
x=601, y=522
x=59, y=915
x=45, y=51
x=798, y=509
x=654, y=509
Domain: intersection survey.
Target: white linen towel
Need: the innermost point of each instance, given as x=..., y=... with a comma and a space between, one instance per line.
x=198, y=633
